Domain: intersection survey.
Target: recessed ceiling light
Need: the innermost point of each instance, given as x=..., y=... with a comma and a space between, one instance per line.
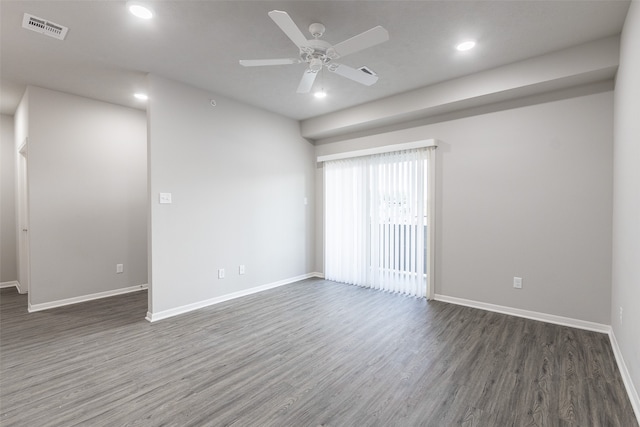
x=466, y=45
x=139, y=10
x=141, y=96
x=320, y=94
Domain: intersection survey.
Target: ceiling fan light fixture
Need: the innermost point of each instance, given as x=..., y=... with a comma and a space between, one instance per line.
x=467, y=45
x=331, y=53
x=139, y=10
x=315, y=65
x=320, y=94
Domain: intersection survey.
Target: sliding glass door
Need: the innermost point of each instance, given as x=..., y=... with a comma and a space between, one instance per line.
x=376, y=217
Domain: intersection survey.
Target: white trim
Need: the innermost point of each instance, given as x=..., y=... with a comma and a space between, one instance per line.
x=22, y=150
x=533, y=315
x=154, y=317
x=84, y=298
x=317, y=274
x=13, y=283
x=10, y=284
x=20, y=289
x=626, y=376
x=431, y=225
x=379, y=150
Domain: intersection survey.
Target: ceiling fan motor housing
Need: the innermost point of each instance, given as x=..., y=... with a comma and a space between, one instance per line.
x=317, y=50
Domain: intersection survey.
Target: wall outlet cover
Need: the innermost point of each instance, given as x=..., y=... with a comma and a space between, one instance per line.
x=517, y=282
x=165, y=198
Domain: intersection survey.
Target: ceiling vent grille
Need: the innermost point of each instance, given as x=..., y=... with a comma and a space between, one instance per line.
x=367, y=70
x=43, y=26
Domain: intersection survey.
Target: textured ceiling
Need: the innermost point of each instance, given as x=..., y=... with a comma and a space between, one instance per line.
x=108, y=52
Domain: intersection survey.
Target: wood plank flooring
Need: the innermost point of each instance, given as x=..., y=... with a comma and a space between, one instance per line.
x=314, y=353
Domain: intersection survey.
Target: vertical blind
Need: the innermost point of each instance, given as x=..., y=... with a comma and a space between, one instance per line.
x=376, y=221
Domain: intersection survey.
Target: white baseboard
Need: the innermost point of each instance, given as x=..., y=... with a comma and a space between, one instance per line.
x=626, y=377
x=84, y=298
x=533, y=315
x=13, y=283
x=10, y=284
x=154, y=317
x=317, y=274
x=20, y=289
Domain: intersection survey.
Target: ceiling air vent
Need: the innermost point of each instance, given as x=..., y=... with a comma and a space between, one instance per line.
x=43, y=26
x=367, y=70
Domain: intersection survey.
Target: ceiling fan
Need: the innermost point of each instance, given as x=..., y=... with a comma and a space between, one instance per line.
x=318, y=53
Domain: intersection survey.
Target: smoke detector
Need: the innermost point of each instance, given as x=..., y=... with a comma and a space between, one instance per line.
x=44, y=26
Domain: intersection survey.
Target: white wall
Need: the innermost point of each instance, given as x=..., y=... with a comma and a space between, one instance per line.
x=626, y=200
x=238, y=177
x=87, y=195
x=21, y=133
x=8, y=243
x=524, y=191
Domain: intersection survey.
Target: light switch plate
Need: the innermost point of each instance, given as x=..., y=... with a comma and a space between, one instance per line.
x=165, y=198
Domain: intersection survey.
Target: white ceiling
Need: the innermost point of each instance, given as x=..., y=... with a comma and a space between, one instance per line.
x=108, y=52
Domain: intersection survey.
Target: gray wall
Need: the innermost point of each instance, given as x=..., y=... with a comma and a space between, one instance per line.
x=21, y=133
x=523, y=190
x=626, y=199
x=588, y=63
x=238, y=177
x=8, y=244
x=87, y=195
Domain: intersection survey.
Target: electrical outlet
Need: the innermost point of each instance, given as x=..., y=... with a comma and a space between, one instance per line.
x=165, y=198
x=221, y=273
x=517, y=282
x=621, y=315
x=241, y=269
x=119, y=268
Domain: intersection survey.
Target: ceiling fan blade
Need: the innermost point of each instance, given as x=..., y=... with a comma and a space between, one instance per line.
x=260, y=62
x=307, y=81
x=353, y=74
x=286, y=24
x=369, y=38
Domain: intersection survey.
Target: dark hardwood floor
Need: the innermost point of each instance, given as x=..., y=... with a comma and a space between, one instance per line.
x=314, y=353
